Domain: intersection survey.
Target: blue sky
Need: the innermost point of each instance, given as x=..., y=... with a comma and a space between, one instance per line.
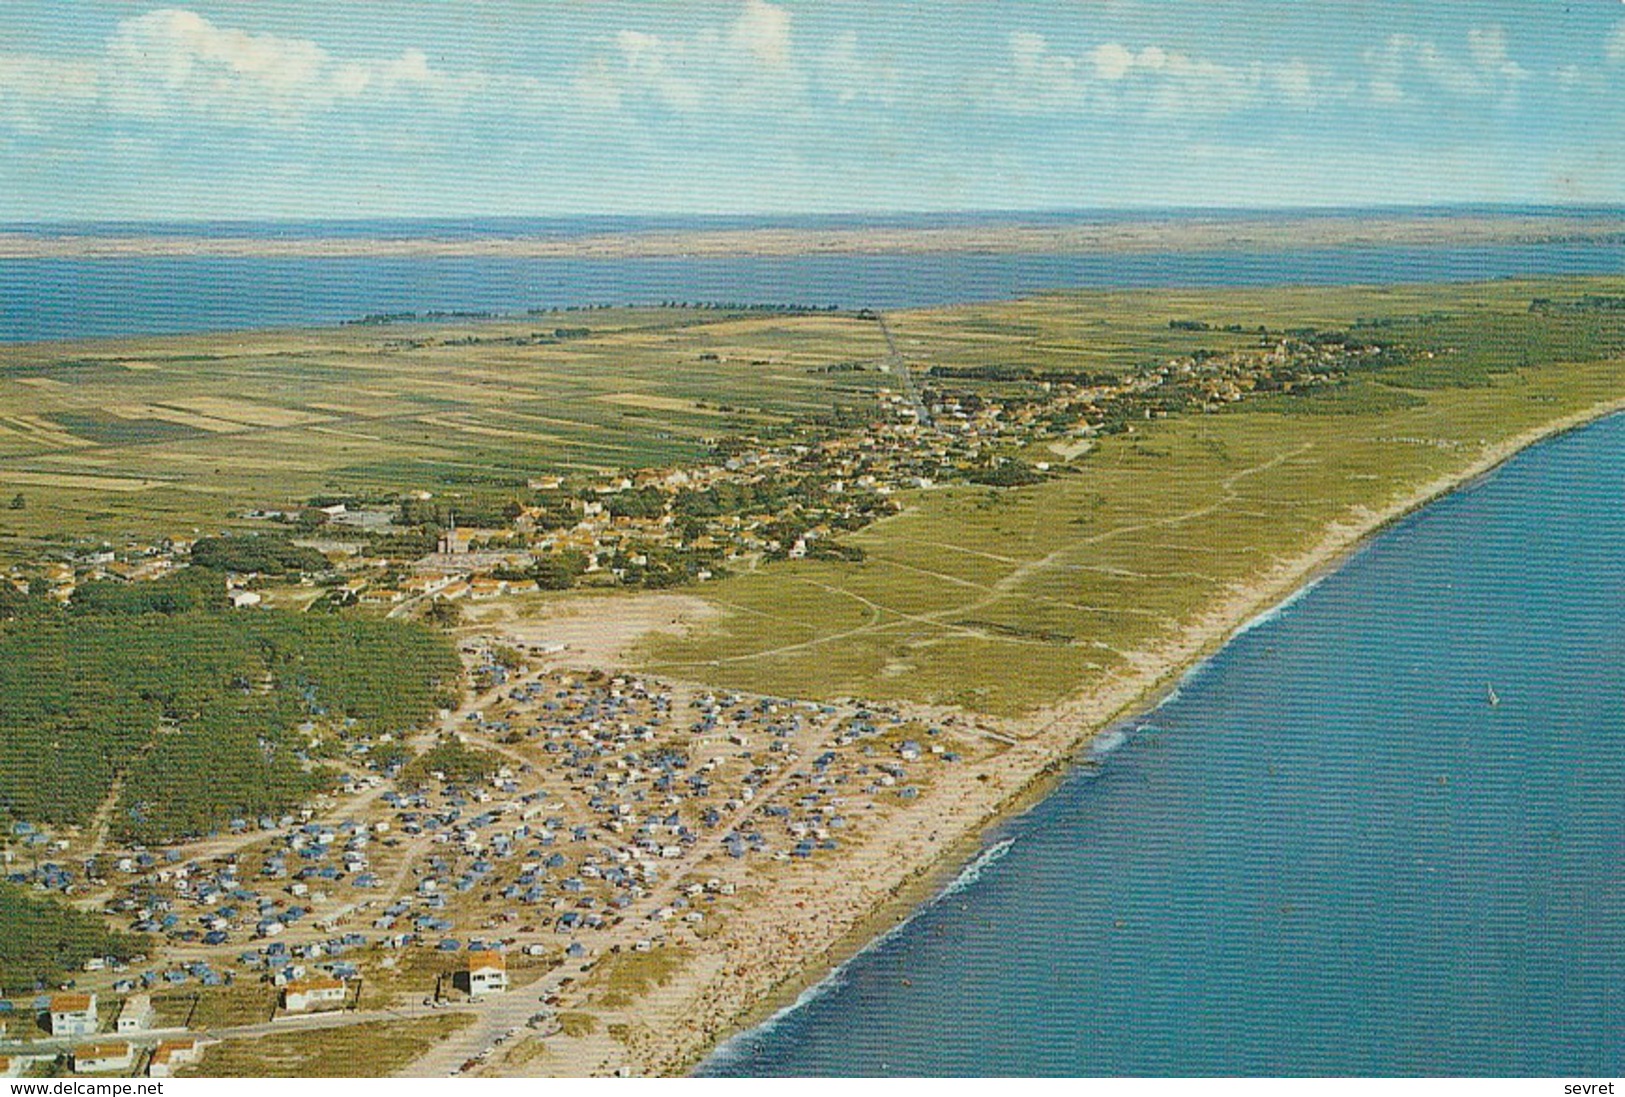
x=112, y=109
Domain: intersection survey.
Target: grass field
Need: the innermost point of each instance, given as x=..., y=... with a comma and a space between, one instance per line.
x=371, y=1050
x=1004, y=601
x=142, y=438
x=997, y=600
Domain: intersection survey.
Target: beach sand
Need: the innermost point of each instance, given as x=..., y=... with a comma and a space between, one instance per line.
x=596, y=632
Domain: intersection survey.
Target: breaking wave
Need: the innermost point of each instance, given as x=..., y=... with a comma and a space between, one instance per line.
x=740, y=1045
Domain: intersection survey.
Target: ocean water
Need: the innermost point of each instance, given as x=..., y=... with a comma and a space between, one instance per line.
x=44, y=299
x=1328, y=853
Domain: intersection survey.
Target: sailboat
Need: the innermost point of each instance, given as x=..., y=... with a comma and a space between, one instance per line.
x=1495, y=698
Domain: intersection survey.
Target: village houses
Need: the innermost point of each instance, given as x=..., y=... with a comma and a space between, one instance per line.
x=135, y=1015
x=170, y=1054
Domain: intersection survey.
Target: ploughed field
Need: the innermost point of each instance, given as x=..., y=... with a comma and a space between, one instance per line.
x=154, y=437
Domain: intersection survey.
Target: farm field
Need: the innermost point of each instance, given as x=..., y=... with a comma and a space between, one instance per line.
x=157, y=437
x=994, y=600
x=135, y=439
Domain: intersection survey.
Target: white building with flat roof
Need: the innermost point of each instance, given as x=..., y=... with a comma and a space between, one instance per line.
x=135, y=1015
x=317, y=992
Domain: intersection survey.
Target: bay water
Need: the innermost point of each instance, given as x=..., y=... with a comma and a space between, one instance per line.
x=55, y=298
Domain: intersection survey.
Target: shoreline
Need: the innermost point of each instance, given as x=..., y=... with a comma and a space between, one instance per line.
x=1171, y=665
x=1218, y=233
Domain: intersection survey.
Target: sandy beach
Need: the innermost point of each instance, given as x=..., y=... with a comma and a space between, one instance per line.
x=1153, y=234
x=772, y=950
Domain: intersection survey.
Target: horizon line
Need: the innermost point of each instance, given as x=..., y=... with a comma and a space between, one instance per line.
x=1504, y=208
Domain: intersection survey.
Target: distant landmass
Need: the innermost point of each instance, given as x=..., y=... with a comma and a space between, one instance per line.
x=1048, y=232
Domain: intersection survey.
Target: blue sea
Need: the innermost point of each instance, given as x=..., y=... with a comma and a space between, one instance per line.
x=43, y=299
x=1327, y=853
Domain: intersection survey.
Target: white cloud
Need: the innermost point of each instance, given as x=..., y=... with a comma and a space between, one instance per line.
x=1296, y=82
x=850, y=75
x=748, y=64
x=1040, y=79
x=1485, y=71
x=660, y=68
x=1114, y=61
x=1488, y=46
x=176, y=59
x=763, y=31
x=1113, y=77
x=1577, y=78
x=175, y=62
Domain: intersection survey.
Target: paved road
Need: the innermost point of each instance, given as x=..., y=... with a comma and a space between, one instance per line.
x=298, y=1022
x=895, y=359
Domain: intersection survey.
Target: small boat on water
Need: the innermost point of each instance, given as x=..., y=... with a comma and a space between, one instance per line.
x=1495, y=698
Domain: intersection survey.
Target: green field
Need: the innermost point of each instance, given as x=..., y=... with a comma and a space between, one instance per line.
x=999, y=600
x=1003, y=601
x=154, y=437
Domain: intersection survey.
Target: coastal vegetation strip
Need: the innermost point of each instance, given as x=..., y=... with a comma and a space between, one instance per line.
x=1215, y=230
